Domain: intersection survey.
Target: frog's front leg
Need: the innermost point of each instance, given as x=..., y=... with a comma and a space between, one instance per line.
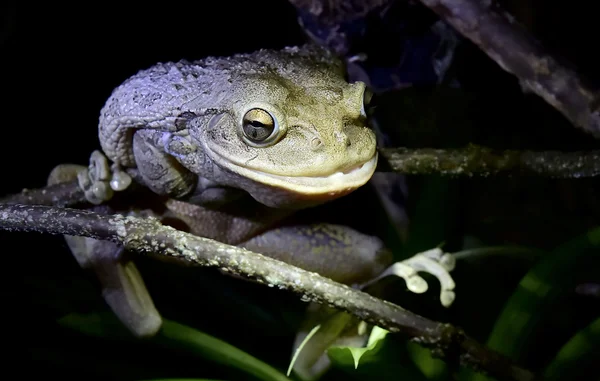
x=156, y=169
x=98, y=180
x=122, y=285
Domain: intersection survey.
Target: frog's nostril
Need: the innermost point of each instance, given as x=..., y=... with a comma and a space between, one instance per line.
x=315, y=143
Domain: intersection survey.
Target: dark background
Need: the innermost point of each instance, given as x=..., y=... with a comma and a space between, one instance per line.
x=59, y=64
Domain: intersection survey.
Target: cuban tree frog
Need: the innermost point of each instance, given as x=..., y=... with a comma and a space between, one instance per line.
x=236, y=144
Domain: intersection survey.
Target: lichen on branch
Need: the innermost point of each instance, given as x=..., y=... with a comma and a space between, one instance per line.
x=148, y=235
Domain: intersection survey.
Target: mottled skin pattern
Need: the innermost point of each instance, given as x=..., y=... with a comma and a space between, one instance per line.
x=230, y=148
x=237, y=144
x=178, y=128
x=356, y=257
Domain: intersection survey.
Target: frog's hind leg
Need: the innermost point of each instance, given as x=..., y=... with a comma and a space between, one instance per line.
x=337, y=252
x=345, y=255
x=122, y=285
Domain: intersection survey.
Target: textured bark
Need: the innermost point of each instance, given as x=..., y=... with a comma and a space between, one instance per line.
x=501, y=37
x=477, y=160
x=65, y=194
x=517, y=52
x=147, y=235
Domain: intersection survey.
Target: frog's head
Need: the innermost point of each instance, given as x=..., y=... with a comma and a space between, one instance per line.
x=293, y=132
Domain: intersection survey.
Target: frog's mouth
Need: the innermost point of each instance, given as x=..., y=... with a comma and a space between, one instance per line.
x=337, y=183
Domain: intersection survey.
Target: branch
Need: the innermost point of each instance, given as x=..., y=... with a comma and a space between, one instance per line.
x=467, y=161
x=149, y=236
x=517, y=52
x=64, y=194
x=479, y=160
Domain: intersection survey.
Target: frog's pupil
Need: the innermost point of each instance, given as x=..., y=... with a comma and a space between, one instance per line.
x=256, y=130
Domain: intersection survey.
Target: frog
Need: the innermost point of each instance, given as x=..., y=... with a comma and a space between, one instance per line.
x=234, y=146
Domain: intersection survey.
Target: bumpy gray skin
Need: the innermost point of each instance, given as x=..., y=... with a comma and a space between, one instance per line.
x=177, y=127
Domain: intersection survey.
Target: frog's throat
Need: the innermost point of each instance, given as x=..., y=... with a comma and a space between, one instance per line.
x=330, y=185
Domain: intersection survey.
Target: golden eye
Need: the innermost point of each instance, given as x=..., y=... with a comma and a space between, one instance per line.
x=258, y=125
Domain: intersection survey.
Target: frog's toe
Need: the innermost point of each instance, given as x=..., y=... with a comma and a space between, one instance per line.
x=99, y=180
x=446, y=260
x=413, y=281
x=434, y=262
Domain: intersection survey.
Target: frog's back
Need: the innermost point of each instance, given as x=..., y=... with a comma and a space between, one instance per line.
x=156, y=97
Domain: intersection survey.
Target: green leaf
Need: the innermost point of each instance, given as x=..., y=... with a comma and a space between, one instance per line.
x=384, y=359
x=373, y=345
x=331, y=324
x=431, y=367
x=181, y=379
x=179, y=337
x=299, y=349
x=582, y=348
x=514, y=252
x=538, y=293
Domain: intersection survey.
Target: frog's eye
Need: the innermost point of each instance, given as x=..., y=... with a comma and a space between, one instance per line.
x=367, y=96
x=259, y=126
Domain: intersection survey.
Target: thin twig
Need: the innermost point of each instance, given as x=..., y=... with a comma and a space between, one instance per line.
x=64, y=194
x=477, y=160
x=150, y=236
x=517, y=52
x=468, y=161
